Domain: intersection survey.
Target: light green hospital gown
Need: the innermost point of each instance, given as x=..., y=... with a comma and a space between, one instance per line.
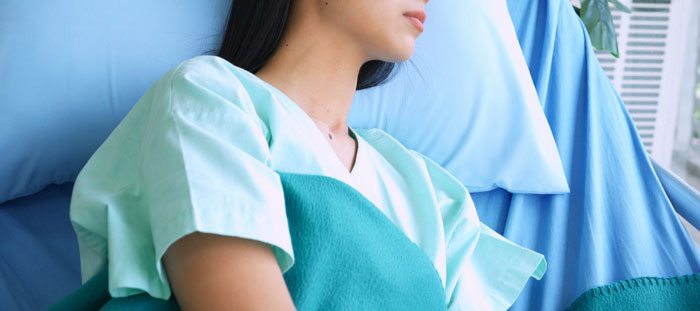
x=200, y=151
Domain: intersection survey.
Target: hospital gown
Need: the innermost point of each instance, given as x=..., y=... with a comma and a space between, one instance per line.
x=201, y=151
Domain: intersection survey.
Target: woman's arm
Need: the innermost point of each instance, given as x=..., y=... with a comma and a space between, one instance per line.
x=215, y=272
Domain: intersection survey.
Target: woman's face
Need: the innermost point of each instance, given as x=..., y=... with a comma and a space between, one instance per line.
x=381, y=28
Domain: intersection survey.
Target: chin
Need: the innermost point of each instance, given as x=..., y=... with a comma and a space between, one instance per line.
x=404, y=57
x=396, y=51
x=402, y=54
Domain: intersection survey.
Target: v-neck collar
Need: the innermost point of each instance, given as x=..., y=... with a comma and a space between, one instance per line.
x=353, y=171
x=319, y=135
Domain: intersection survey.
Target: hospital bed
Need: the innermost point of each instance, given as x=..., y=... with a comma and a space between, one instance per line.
x=532, y=127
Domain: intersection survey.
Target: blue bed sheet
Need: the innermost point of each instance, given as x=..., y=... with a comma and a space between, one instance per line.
x=39, y=259
x=617, y=223
x=685, y=199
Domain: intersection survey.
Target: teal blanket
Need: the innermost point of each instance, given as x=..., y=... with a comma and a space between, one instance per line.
x=647, y=293
x=349, y=256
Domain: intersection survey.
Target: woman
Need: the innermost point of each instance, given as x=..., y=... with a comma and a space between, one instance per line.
x=185, y=196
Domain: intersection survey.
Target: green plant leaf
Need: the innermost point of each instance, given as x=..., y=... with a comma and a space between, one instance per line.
x=599, y=23
x=620, y=6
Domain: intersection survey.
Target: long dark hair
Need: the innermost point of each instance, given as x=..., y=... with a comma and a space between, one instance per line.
x=255, y=28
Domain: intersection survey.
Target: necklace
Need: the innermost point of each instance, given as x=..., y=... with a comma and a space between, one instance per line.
x=327, y=128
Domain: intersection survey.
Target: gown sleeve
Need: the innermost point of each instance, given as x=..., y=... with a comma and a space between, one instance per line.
x=484, y=270
x=192, y=155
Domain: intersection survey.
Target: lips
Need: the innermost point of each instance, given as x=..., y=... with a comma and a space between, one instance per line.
x=420, y=15
x=416, y=18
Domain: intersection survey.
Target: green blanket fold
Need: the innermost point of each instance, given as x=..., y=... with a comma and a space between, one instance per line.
x=348, y=256
x=645, y=293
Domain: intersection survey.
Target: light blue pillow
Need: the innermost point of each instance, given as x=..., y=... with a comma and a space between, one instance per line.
x=469, y=102
x=71, y=70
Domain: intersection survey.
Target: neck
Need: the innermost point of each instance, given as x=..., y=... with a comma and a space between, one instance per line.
x=317, y=68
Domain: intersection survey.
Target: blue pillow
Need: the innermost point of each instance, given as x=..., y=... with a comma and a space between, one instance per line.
x=71, y=70
x=468, y=102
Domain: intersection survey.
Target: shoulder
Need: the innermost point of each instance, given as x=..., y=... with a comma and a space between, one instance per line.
x=383, y=142
x=208, y=76
x=209, y=67
x=208, y=88
x=444, y=184
x=390, y=148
